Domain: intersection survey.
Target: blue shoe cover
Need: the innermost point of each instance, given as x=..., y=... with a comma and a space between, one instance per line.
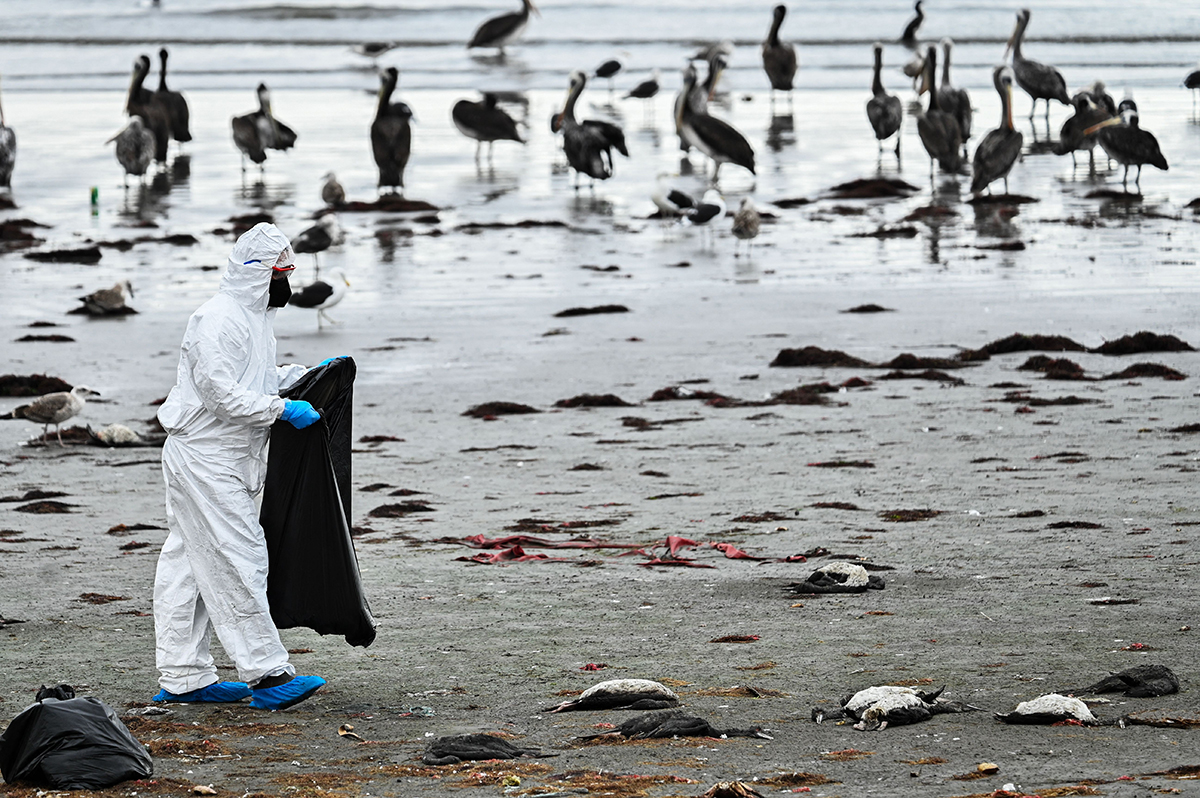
x=286, y=695
x=215, y=693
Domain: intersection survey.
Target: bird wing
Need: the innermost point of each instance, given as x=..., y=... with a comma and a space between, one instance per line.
x=995, y=156
x=245, y=136
x=312, y=296
x=716, y=137
x=285, y=138
x=48, y=409
x=494, y=29
x=613, y=136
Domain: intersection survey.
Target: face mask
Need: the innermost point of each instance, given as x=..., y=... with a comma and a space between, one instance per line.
x=279, y=293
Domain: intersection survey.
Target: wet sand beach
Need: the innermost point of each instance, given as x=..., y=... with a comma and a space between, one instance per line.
x=1054, y=536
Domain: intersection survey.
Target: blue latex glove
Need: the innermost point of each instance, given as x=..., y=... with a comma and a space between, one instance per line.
x=329, y=360
x=299, y=414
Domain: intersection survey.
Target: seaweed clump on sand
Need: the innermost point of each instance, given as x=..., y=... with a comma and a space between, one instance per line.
x=816, y=356
x=489, y=410
x=873, y=188
x=1139, y=370
x=1143, y=342
x=927, y=374
x=569, y=312
x=31, y=385
x=1020, y=342
x=1059, y=368
x=909, y=361
x=593, y=400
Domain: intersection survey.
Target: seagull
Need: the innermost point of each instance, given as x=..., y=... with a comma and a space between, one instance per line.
x=607, y=70
x=373, y=50
x=647, y=88
x=318, y=238
x=108, y=301
x=332, y=193
x=135, y=148
x=709, y=208
x=53, y=408
x=746, y=223
x=321, y=296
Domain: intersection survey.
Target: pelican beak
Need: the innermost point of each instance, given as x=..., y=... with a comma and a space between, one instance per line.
x=1116, y=120
x=924, y=82
x=1008, y=48
x=716, y=80
x=1009, y=91
x=116, y=135
x=534, y=9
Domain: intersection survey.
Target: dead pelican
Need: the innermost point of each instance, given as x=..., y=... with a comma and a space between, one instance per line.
x=1000, y=148
x=622, y=694
x=504, y=29
x=1050, y=708
x=1040, y=82
x=391, y=135
x=876, y=708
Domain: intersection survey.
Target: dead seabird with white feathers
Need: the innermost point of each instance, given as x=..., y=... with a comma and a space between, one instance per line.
x=53, y=408
x=108, y=301
x=838, y=577
x=876, y=708
x=1050, y=708
x=642, y=694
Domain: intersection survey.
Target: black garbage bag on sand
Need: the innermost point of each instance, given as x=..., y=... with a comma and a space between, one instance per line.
x=78, y=744
x=313, y=579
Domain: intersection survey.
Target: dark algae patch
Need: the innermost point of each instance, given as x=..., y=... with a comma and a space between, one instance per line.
x=873, y=188
x=869, y=308
x=911, y=361
x=493, y=409
x=1054, y=368
x=904, y=516
x=593, y=400
x=31, y=385
x=1141, y=370
x=927, y=374
x=598, y=309
x=816, y=356
x=1020, y=342
x=1143, y=342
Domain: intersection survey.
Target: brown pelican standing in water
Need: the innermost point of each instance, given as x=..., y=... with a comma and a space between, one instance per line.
x=144, y=103
x=955, y=102
x=504, y=29
x=699, y=96
x=256, y=132
x=884, y=110
x=177, y=107
x=588, y=144
x=483, y=121
x=8, y=152
x=1040, y=82
x=713, y=137
x=1071, y=137
x=938, y=130
x=135, y=148
x=391, y=135
x=1000, y=148
x=1127, y=144
x=779, y=58
x=909, y=37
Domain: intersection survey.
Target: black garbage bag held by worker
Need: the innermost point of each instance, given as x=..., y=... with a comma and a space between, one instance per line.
x=212, y=571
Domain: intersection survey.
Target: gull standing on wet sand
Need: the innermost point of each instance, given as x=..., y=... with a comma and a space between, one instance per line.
x=504, y=29
x=332, y=193
x=1000, y=148
x=135, y=149
x=53, y=408
x=109, y=301
x=746, y=223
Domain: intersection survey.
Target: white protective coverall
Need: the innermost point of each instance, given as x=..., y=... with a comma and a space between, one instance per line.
x=212, y=572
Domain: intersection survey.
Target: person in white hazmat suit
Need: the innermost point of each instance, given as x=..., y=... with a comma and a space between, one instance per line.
x=212, y=571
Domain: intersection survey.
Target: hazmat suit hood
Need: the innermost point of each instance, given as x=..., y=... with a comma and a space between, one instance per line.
x=248, y=274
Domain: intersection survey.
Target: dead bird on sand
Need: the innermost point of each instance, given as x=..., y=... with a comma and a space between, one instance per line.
x=660, y=725
x=1050, y=708
x=474, y=747
x=876, y=708
x=838, y=577
x=622, y=694
x=1141, y=681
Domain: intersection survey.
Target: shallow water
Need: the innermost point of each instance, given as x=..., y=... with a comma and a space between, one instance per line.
x=1104, y=266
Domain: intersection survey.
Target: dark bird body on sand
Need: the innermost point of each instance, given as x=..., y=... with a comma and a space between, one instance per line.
x=503, y=30
x=1000, y=148
x=484, y=121
x=1040, y=81
x=642, y=694
x=177, y=107
x=665, y=725
x=588, y=145
x=938, y=130
x=256, y=132
x=876, y=708
x=391, y=133
x=884, y=111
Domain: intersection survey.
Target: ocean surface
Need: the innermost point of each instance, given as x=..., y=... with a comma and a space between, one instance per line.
x=64, y=71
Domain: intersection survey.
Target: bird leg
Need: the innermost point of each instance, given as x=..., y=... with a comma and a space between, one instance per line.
x=478, y=148
x=58, y=432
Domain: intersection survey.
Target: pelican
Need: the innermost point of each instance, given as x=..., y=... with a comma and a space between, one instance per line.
x=177, y=107
x=1071, y=137
x=1192, y=81
x=746, y=223
x=8, y=152
x=483, y=121
x=320, y=296
x=1000, y=148
x=713, y=137
x=53, y=408
x=142, y=102
x=391, y=135
x=108, y=301
x=504, y=29
x=588, y=144
x=699, y=95
x=135, y=148
x=779, y=58
x=256, y=132
x=909, y=37
x=1127, y=144
x=938, y=130
x=332, y=193
x=1040, y=82
x=884, y=110
x=955, y=102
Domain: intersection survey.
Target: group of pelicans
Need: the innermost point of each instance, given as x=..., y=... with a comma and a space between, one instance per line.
x=945, y=126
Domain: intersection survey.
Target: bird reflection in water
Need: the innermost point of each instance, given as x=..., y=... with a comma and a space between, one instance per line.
x=781, y=132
